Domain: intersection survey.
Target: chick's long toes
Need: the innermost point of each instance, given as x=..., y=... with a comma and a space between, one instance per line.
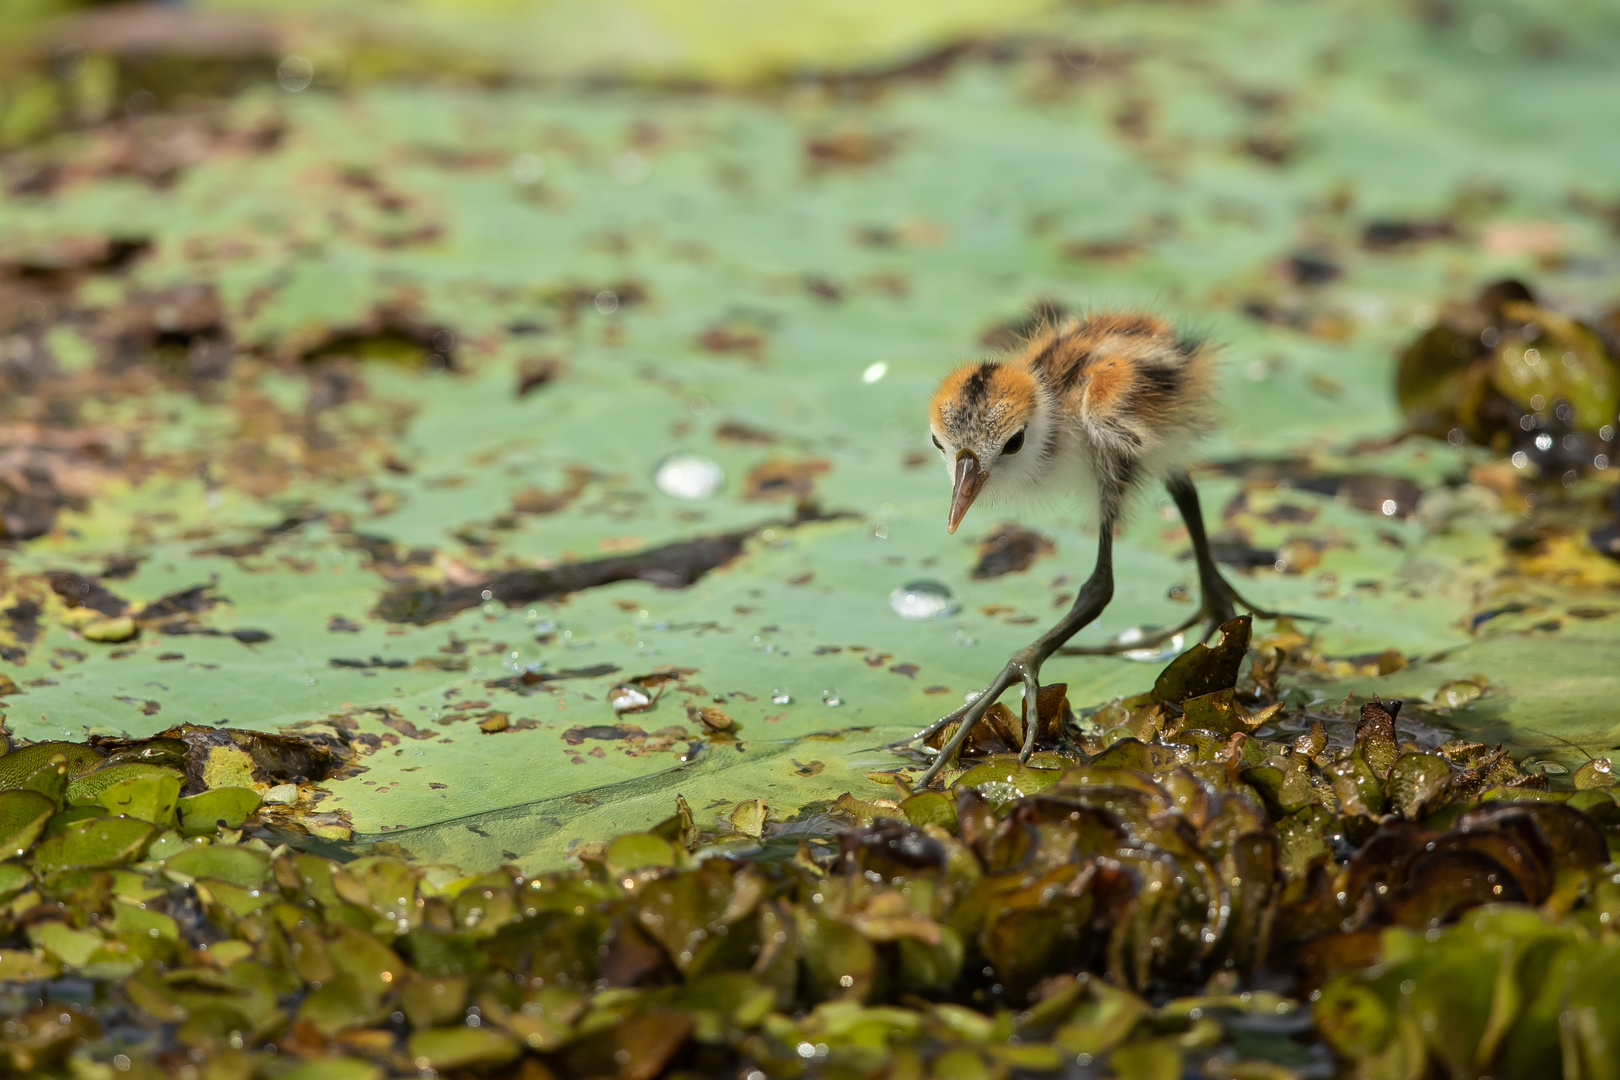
x=970, y=713
x=1265, y=613
x=1032, y=713
x=938, y=725
x=1147, y=641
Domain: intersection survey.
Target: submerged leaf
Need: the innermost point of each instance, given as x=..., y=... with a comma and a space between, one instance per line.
x=23, y=815
x=224, y=807
x=20, y=764
x=237, y=866
x=461, y=1047
x=97, y=842
x=151, y=797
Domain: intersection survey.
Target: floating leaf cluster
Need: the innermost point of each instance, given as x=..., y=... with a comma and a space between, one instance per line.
x=1510, y=373
x=1171, y=882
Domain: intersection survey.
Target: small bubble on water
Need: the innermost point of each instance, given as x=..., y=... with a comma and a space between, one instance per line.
x=922, y=600
x=295, y=73
x=687, y=476
x=830, y=697
x=781, y=697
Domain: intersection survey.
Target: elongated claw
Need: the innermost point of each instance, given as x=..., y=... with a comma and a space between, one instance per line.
x=1150, y=640
x=970, y=713
x=1025, y=665
x=1220, y=605
x=1262, y=613
x=938, y=725
x=1032, y=709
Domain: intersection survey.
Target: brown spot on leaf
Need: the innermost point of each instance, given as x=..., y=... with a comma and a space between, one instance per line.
x=405, y=727
x=1398, y=235
x=1009, y=549
x=537, y=371
x=574, y=736
x=784, y=479
x=540, y=501
x=733, y=338
x=87, y=592
x=847, y=149
x=735, y=431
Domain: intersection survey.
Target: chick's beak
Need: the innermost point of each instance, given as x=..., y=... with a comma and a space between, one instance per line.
x=970, y=478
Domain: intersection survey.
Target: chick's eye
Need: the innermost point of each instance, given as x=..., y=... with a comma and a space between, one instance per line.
x=1014, y=444
x=937, y=445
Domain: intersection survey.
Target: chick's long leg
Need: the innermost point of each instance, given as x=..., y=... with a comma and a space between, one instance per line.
x=1218, y=600
x=1025, y=665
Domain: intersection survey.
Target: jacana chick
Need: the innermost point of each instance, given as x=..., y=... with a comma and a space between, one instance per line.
x=1101, y=406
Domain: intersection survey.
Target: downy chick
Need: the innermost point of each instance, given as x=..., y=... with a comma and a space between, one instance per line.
x=1101, y=406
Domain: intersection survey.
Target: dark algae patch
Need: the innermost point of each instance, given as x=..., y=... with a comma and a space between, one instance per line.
x=670, y=566
x=1514, y=374
x=1197, y=880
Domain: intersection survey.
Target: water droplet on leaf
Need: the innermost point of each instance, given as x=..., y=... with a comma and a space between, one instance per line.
x=922, y=600
x=687, y=476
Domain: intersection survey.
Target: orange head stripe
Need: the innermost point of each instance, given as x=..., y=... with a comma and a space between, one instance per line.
x=1014, y=390
x=950, y=392
x=1000, y=395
